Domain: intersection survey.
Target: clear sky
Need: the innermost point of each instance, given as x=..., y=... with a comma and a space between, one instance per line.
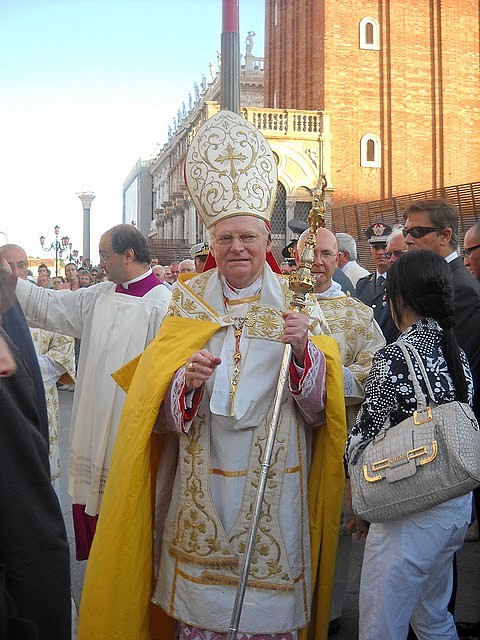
x=86, y=88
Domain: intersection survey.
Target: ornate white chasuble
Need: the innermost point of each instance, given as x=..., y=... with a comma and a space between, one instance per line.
x=217, y=473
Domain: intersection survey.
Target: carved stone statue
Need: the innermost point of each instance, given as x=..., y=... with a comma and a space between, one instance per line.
x=179, y=117
x=210, y=68
x=190, y=102
x=219, y=59
x=184, y=110
x=197, y=91
x=204, y=83
x=170, y=132
x=249, y=43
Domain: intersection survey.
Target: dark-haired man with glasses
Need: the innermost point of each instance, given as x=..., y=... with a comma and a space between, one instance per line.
x=433, y=224
x=471, y=250
x=115, y=321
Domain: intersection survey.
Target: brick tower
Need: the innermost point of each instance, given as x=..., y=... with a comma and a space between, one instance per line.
x=400, y=80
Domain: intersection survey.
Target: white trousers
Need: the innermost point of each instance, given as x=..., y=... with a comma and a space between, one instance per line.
x=407, y=576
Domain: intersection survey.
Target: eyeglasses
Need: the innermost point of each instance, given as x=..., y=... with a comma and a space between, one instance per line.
x=466, y=252
x=325, y=255
x=105, y=256
x=245, y=238
x=398, y=253
x=419, y=232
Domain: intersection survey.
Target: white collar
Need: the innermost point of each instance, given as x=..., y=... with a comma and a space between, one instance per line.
x=333, y=291
x=451, y=257
x=141, y=277
x=231, y=293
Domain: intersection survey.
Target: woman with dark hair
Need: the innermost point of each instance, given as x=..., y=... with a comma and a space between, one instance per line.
x=407, y=567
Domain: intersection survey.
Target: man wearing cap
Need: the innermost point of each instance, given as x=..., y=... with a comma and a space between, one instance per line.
x=371, y=288
x=199, y=253
x=225, y=334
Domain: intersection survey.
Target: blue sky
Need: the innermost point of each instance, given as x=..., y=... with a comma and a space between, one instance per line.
x=86, y=87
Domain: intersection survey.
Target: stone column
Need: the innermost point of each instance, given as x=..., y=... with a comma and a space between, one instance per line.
x=86, y=197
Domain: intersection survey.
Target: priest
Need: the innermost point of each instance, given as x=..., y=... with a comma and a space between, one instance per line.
x=115, y=321
x=225, y=336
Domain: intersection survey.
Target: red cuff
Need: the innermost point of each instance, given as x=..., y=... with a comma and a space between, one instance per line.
x=294, y=377
x=188, y=413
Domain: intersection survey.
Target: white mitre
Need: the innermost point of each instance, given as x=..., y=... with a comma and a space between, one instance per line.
x=230, y=170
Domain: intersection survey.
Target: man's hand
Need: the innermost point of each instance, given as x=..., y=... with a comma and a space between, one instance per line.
x=198, y=368
x=295, y=332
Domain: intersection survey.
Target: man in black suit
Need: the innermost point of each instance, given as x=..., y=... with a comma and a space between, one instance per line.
x=371, y=288
x=433, y=224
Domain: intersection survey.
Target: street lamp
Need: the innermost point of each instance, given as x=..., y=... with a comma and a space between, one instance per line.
x=58, y=245
x=72, y=255
x=54, y=245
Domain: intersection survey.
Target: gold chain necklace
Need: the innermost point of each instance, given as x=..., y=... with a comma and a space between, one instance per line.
x=237, y=356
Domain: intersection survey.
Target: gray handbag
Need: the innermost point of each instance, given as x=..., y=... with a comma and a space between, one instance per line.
x=429, y=458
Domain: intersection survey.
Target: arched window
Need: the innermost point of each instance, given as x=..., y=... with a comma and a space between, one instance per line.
x=370, y=151
x=369, y=34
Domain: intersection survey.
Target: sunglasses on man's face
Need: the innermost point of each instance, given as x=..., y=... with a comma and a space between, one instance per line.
x=419, y=232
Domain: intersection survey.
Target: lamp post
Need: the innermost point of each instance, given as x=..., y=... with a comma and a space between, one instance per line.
x=72, y=254
x=54, y=245
x=86, y=198
x=59, y=246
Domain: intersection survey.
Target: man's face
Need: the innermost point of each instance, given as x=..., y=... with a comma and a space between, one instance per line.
x=17, y=259
x=114, y=264
x=168, y=276
x=70, y=272
x=239, y=248
x=200, y=263
x=325, y=260
x=378, y=251
x=174, y=270
x=154, y=262
x=84, y=279
x=159, y=272
x=43, y=281
x=435, y=241
x=472, y=261
x=343, y=258
x=57, y=283
x=396, y=247
x=42, y=271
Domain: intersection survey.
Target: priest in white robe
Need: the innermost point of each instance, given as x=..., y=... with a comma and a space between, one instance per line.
x=215, y=399
x=115, y=321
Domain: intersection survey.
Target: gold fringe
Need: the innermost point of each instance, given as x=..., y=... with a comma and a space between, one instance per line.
x=216, y=563
x=212, y=578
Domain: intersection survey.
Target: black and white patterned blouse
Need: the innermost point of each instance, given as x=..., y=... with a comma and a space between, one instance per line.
x=389, y=390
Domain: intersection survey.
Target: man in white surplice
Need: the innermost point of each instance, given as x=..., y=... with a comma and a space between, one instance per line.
x=115, y=321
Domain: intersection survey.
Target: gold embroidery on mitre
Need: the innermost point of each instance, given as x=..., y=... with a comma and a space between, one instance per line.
x=230, y=170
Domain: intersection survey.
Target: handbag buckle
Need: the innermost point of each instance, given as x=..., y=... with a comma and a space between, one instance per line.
x=418, y=420
x=411, y=454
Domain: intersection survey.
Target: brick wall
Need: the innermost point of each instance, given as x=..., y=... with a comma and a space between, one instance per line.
x=420, y=92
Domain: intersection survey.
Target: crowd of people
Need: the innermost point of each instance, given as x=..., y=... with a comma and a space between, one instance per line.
x=175, y=370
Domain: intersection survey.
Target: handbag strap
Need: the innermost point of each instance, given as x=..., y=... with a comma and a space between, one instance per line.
x=405, y=348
